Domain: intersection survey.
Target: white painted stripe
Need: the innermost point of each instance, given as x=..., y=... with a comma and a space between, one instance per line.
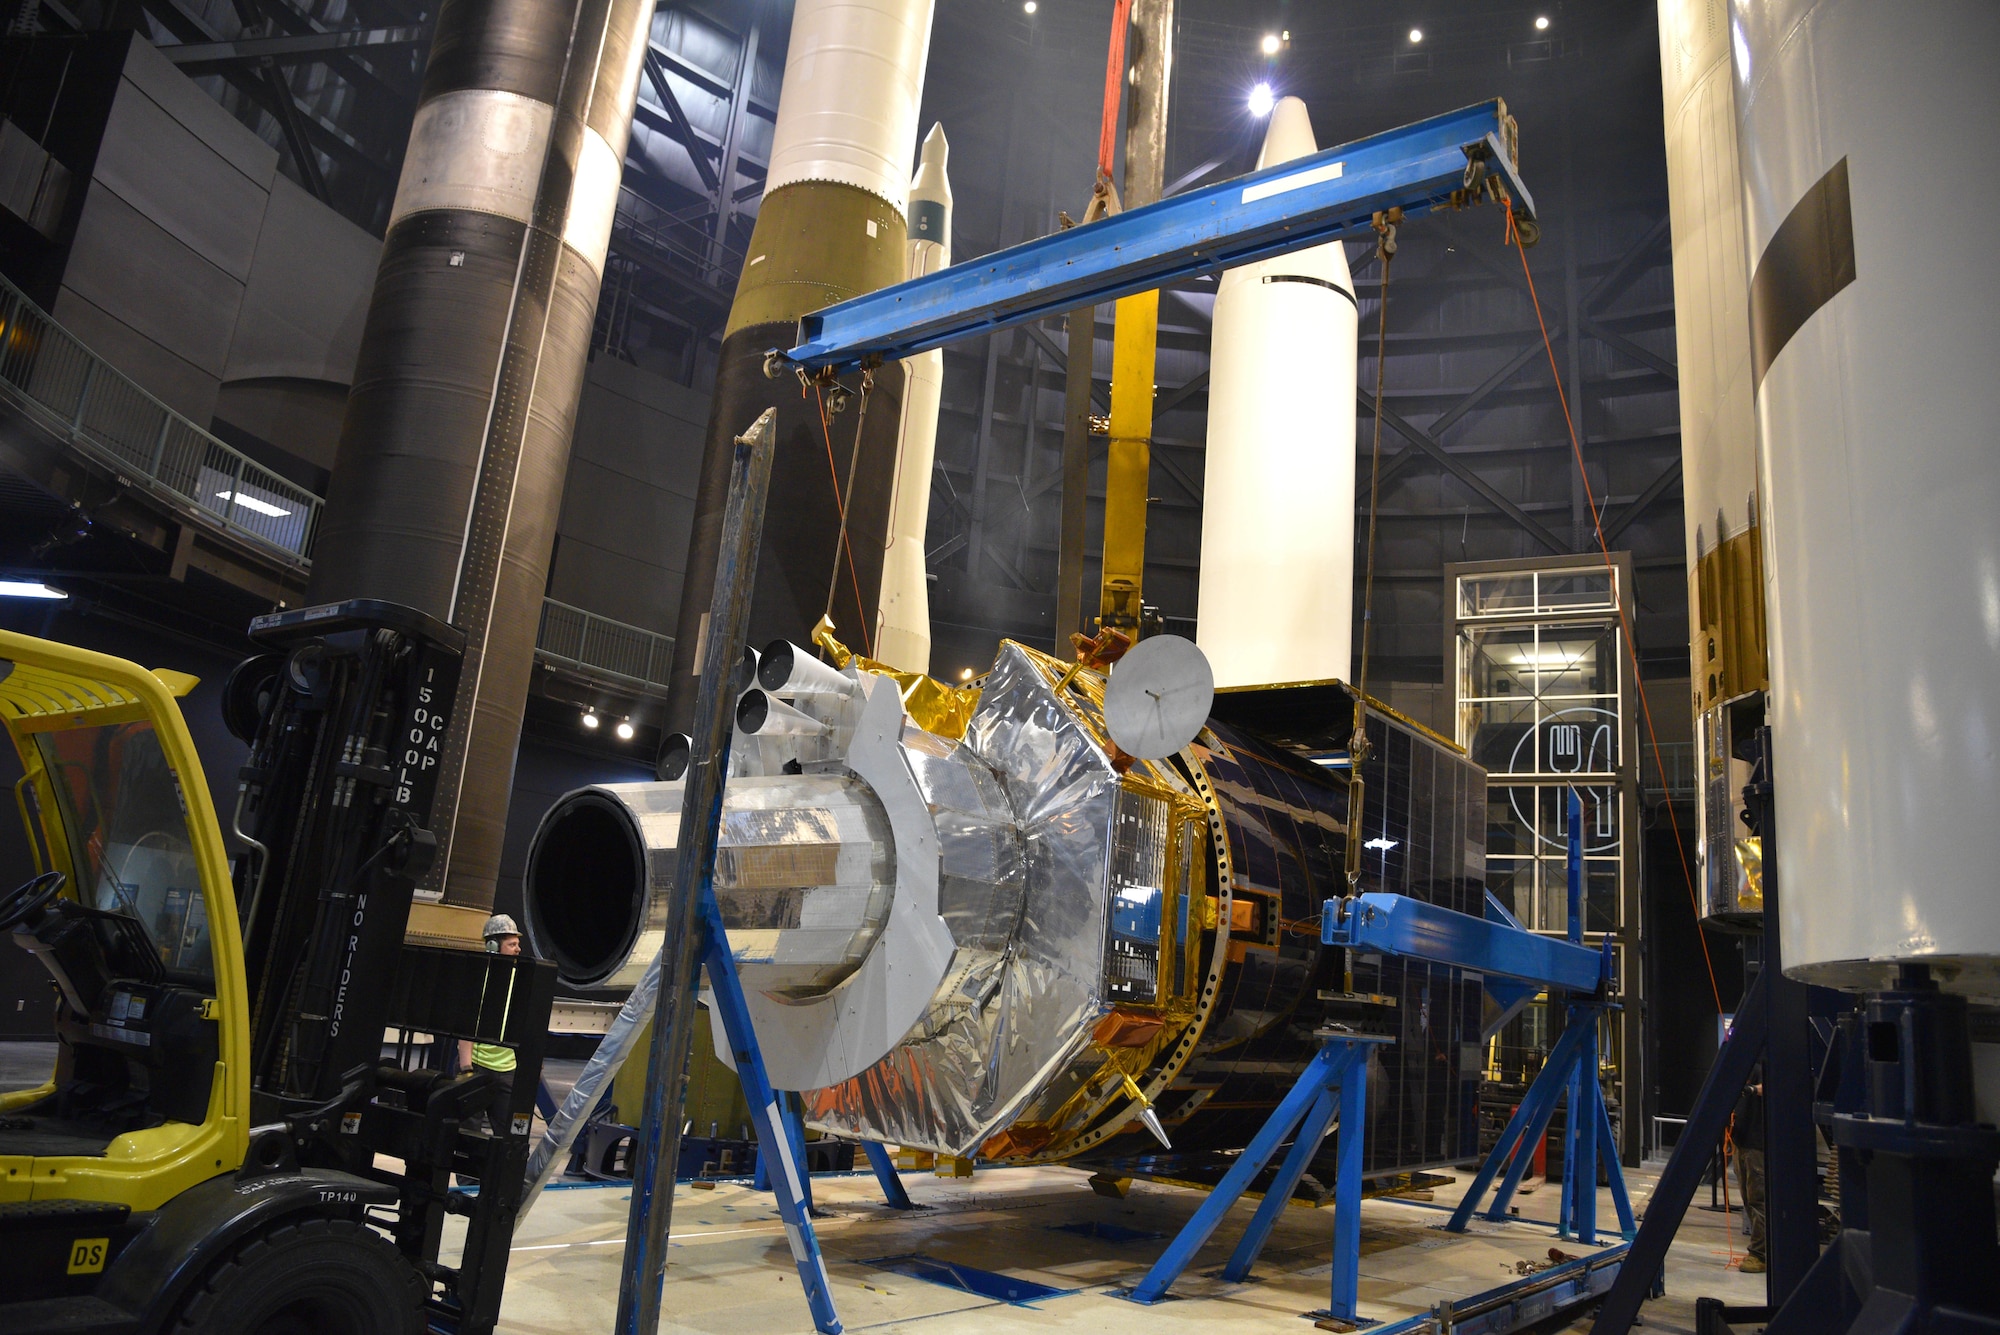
x=1296, y=181
x=478, y=149
x=593, y=198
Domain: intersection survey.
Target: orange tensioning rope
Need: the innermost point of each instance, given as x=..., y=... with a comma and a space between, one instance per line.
x=833, y=472
x=1631, y=641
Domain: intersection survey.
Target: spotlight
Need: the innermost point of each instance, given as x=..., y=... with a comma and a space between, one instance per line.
x=624, y=729
x=1416, y=34
x=1541, y=23
x=590, y=719
x=965, y=674
x=1261, y=100
x=29, y=588
x=1029, y=6
x=1271, y=44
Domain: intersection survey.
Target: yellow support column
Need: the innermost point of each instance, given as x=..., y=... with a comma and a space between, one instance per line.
x=1128, y=471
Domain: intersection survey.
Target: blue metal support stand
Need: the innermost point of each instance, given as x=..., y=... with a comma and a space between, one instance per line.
x=1337, y=1079
x=779, y=1143
x=1571, y=1069
x=885, y=1174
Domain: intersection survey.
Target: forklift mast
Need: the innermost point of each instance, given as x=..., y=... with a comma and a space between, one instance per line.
x=345, y=715
x=348, y=710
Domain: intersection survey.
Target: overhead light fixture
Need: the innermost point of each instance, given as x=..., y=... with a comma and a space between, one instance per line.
x=1541, y=23
x=1380, y=845
x=29, y=588
x=1028, y=6
x=1271, y=44
x=1286, y=35
x=1416, y=34
x=965, y=674
x=1261, y=100
x=252, y=503
x=624, y=729
x=590, y=719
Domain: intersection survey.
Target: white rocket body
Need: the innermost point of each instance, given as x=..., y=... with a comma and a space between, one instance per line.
x=1879, y=477
x=903, y=624
x=854, y=75
x=1277, y=525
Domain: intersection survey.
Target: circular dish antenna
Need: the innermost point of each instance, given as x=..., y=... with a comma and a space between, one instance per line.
x=1158, y=697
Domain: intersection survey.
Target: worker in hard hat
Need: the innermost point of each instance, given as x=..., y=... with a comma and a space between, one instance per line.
x=503, y=937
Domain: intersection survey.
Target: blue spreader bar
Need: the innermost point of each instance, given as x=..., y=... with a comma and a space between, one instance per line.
x=1399, y=925
x=1289, y=207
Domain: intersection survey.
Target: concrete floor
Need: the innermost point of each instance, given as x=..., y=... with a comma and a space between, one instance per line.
x=730, y=1272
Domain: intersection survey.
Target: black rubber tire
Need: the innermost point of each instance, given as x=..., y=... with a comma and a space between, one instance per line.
x=309, y=1277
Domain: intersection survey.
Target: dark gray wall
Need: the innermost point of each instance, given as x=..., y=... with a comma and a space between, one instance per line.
x=216, y=283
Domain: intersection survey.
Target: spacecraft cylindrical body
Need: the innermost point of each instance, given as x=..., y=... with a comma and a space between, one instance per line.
x=457, y=433
x=832, y=225
x=1873, y=339
x=1277, y=519
x=963, y=939
x=1718, y=430
x=903, y=619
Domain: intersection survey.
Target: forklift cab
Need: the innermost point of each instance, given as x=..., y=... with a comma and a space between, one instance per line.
x=223, y=1148
x=131, y=911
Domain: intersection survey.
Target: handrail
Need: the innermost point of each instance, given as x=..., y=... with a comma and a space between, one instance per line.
x=53, y=377
x=581, y=639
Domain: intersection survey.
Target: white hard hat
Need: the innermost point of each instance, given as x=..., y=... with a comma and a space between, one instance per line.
x=500, y=925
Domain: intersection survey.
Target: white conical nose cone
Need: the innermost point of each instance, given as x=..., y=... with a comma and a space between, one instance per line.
x=1289, y=135
x=931, y=182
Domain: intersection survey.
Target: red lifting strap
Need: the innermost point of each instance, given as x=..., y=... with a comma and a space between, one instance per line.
x=1114, y=77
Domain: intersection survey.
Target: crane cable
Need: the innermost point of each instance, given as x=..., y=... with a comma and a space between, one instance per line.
x=1631, y=642
x=1357, y=747
x=841, y=498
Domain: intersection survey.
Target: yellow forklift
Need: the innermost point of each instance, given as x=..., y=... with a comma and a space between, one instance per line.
x=222, y=1147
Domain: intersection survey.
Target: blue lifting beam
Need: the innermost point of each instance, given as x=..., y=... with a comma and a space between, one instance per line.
x=1454, y=159
x=776, y=1146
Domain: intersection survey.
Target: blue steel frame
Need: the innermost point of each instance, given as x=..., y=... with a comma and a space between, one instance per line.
x=1302, y=203
x=775, y=1130
x=1336, y=1080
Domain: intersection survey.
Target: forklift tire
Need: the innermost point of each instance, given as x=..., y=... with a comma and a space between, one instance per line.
x=309, y=1277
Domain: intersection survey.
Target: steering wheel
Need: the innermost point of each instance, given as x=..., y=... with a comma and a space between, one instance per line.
x=29, y=899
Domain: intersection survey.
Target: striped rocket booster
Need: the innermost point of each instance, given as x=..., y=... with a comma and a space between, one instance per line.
x=903, y=623
x=1277, y=523
x=832, y=225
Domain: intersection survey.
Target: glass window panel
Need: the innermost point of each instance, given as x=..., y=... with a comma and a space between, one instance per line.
x=1510, y=821
x=1500, y=736
x=1497, y=663
x=1600, y=821
x=1512, y=881
x=1495, y=595
x=1578, y=738
x=1578, y=660
x=1600, y=895
x=1570, y=590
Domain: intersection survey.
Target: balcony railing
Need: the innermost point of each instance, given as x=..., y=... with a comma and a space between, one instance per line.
x=1673, y=775
x=57, y=381
x=572, y=636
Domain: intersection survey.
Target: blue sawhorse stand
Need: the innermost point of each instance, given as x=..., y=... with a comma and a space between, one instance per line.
x=878, y=1160
x=1336, y=1081
x=780, y=1142
x=1571, y=1068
